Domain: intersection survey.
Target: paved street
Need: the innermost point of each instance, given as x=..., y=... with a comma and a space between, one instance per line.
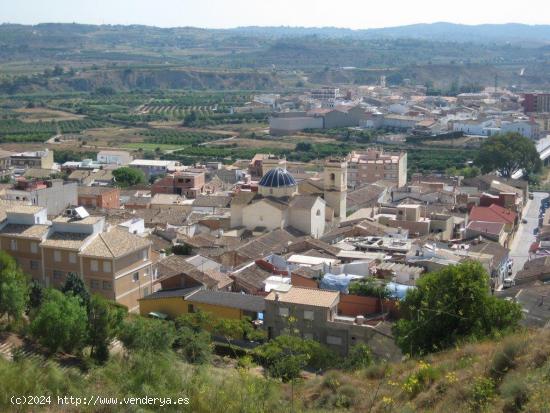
x=519, y=249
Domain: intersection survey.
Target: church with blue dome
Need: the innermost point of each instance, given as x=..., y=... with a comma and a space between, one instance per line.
x=278, y=203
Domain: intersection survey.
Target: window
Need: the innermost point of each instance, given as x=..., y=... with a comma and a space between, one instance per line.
x=34, y=247
x=336, y=341
x=190, y=308
x=144, y=255
x=13, y=245
x=308, y=315
x=107, y=285
x=57, y=256
x=34, y=265
x=106, y=266
x=94, y=283
x=72, y=257
x=94, y=265
x=145, y=291
x=318, y=213
x=283, y=312
x=135, y=277
x=57, y=275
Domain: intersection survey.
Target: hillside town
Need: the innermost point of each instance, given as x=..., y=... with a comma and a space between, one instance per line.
x=265, y=237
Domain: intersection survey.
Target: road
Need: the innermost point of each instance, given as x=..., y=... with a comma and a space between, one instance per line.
x=519, y=249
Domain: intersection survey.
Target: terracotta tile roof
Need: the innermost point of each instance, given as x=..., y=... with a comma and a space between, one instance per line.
x=487, y=227
x=174, y=265
x=303, y=201
x=252, y=276
x=67, y=240
x=25, y=231
x=273, y=242
x=94, y=190
x=115, y=243
x=211, y=201
x=492, y=213
x=306, y=296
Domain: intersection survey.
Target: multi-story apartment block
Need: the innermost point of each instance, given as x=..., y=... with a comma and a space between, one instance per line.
x=38, y=159
x=536, y=102
x=112, y=261
x=189, y=184
x=55, y=194
x=376, y=165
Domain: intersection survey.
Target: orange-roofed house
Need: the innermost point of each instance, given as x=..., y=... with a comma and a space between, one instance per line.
x=495, y=213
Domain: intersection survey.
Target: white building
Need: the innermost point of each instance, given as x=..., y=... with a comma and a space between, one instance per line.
x=121, y=158
x=153, y=167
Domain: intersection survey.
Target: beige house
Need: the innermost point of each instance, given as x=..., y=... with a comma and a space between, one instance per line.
x=111, y=261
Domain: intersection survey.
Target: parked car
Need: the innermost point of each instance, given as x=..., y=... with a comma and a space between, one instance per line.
x=508, y=282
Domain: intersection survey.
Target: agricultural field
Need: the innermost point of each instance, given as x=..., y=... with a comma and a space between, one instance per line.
x=15, y=130
x=31, y=115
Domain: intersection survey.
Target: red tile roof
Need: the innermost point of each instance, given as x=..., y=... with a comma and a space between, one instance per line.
x=493, y=213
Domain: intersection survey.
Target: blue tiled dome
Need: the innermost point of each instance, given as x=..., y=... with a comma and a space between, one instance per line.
x=276, y=178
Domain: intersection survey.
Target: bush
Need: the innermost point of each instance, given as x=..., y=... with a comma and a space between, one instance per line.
x=481, y=393
x=516, y=393
x=420, y=380
x=147, y=335
x=376, y=371
x=194, y=347
x=505, y=359
x=369, y=287
x=359, y=357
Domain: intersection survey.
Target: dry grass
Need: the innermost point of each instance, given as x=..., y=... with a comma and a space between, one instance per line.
x=523, y=386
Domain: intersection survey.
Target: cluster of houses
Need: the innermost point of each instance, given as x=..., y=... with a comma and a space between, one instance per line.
x=262, y=238
x=409, y=110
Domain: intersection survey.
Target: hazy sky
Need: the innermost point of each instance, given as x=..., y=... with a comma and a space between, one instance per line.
x=231, y=13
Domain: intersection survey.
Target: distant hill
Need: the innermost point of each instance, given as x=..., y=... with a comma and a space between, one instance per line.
x=483, y=33
x=267, y=58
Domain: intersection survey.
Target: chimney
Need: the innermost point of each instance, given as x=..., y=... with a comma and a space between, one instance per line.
x=359, y=320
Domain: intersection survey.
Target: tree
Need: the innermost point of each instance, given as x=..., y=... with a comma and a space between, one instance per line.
x=127, y=176
x=285, y=353
x=304, y=147
x=75, y=285
x=36, y=295
x=197, y=321
x=359, y=357
x=449, y=305
x=147, y=334
x=508, y=153
x=13, y=288
x=194, y=347
x=104, y=321
x=61, y=322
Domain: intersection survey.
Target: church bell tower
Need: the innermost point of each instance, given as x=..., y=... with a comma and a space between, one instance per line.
x=336, y=186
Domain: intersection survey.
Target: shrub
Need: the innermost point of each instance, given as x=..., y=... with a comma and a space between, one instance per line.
x=481, y=393
x=505, y=359
x=516, y=393
x=359, y=357
x=376, y=371
x=420, y=380
x=147, y=335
